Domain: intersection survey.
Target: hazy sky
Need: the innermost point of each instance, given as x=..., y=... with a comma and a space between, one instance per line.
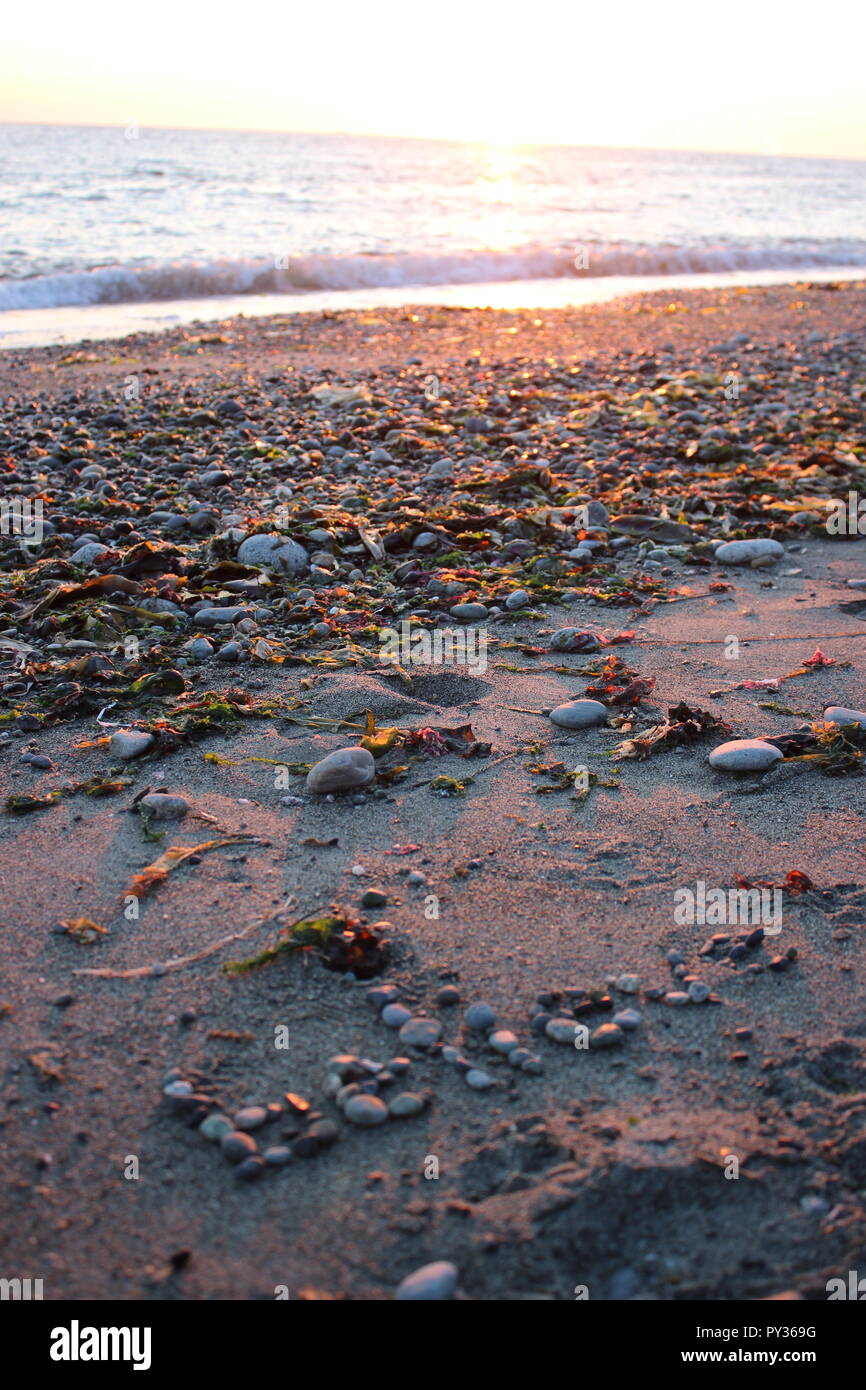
x=734, y=75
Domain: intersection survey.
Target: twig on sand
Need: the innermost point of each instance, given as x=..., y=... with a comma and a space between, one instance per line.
x=139, y=972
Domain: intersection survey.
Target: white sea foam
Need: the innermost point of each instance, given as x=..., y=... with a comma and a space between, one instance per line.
x=179, y=281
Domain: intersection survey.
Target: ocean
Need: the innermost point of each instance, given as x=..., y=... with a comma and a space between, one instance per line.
x=105, y=231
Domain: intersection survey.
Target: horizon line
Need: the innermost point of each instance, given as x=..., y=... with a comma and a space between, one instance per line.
x=425, y=139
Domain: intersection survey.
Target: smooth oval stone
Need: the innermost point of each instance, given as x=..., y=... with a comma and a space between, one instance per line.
x=503, y=1041
x=838, y=714
x=579, y=714
x=629, y=1019
x=608, y=1035
x=215, y=1126
x=250, y=1168
x=518, y=598
x=251, y=1117
x=743, y=552
x=478, y=1079
x=273, y=552
x=395, y=1015
x=365, y=1111
x=237, y=1146
x=468, y=612
x=162, y=806
x=407, y=1103
x=215, y=617
x=345, y=770
x=277, y=1155
x=435, y=1282
x=420, y=1032
x=479, y=1017
x=89, y=553
x=561, y=1030
x=745, y=755
x=129, y=743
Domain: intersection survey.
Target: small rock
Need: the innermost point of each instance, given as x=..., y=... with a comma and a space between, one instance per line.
x=502, y=1041
x=743, y=552
x=479, y=1017
x=252, y=1117
x=628, y=1019
x=395, y=1015
x=578, y=714
x=435, y=1282
x=478, y=1080
x=518, y=598
x=344, y=770
x=237, y=1146
x=215, y=1126
x=162, y=806
x=374, y=897
x=273, y=552
x=250, y=1168
x=365, y=1111
x=562, y=1030
x=130, y=743
x=277, y=1155
x=407, y=1103
x=699, y=993
x=421, y=1032
x=745, y=755
x=838, y=714
x=608, y=1035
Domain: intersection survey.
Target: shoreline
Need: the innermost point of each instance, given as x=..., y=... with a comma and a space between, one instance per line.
x=66, y=325
x=488, y=877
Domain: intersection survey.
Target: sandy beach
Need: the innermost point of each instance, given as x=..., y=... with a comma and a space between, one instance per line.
x=651, y=1108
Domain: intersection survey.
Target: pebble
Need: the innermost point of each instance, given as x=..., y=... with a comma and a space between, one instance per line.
x=374, y=897
x=366, y=1111
x=236, y=1145
x=745, y=755
x=421, y=1032
x=479, y=1017
x=469, y=612
x=628, y=984
x=344, y=770
x=502, y=1041
x=215, y=1126
x=561, y=1030
x=578, y=714
x=277, y=1155
x=447, y=996
x=676, y=998
x=216, y=617
x=699, y=993
x=251, y=1117
x=518, y=598
x=435, y=1282
x=165, y=807
x=743, y=552
x=608, y=1035
x=130, y=743
x=90, y=553
x=407, y=1103
x=838, y=714
x=478, y=1080
x=395, y=1015
x=274, y=552
x=628, y=1019
x=250, y=1168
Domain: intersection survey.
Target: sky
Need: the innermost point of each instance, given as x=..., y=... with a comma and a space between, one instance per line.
x=757, y=77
